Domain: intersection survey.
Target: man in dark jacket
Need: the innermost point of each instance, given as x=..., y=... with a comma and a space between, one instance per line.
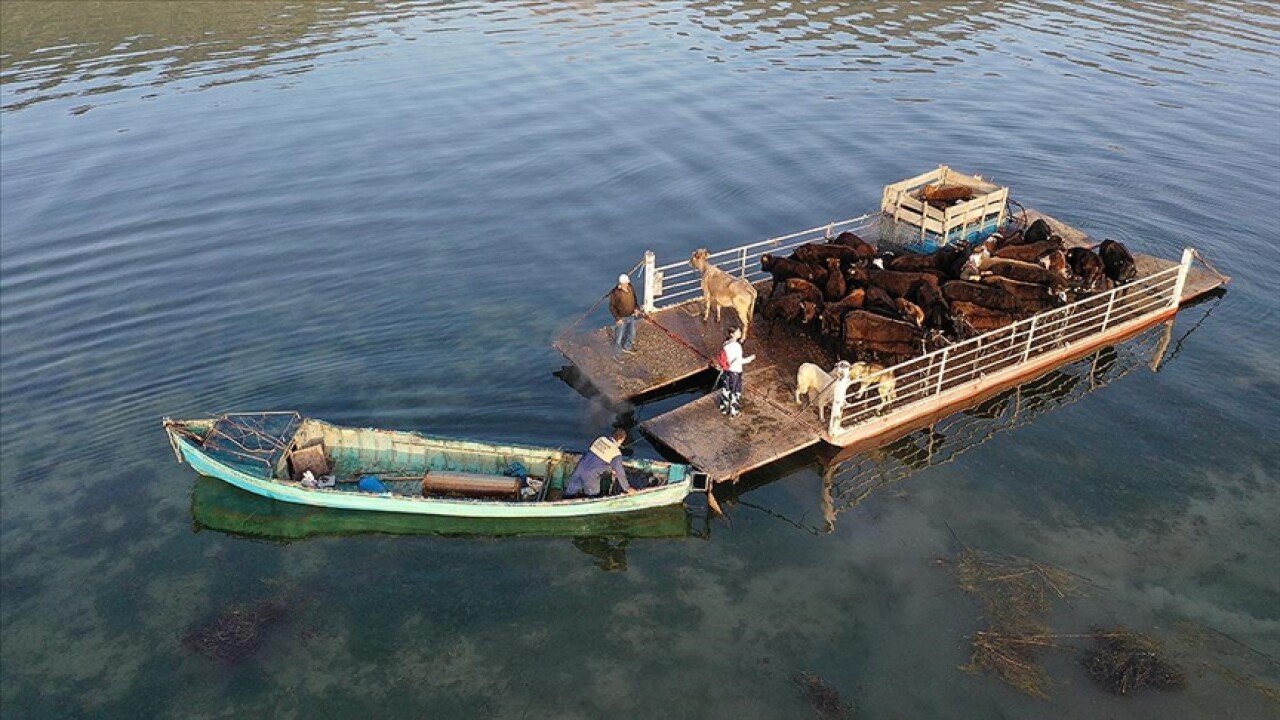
x=622, y=304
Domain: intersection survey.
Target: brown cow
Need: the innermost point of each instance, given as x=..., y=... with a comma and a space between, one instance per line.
x=1088, y=267
x=1023, y=272
x=993, y=298
x=819, y=254
x=721, y=289
x=910, y=311
x=804, y=288
x=897, y=284
x=1117, y=261
x=1029, y=253
x=836, y=286
x=790, y=308
x=1034, y=298
x=832, y=318
x=868, y=332
x=980, y=319
x=860, y=246
x=784, y=268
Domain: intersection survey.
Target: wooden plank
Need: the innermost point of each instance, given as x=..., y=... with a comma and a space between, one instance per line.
x=659, y=360
x=770, y=427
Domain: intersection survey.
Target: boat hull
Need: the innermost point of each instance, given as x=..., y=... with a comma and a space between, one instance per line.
x=673, y=492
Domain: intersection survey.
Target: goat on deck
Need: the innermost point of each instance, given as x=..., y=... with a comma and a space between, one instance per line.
x=721, y=289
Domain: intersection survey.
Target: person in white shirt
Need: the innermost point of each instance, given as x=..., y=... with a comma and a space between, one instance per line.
x=731, y=390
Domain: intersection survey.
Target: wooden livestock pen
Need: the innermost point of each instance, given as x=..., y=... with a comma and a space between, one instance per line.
x=674, y=344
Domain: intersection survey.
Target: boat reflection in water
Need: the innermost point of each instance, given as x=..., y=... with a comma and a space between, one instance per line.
x=221, y=507
x=856, y=473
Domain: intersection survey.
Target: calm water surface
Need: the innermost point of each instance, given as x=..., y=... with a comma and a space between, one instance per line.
x=381, y=214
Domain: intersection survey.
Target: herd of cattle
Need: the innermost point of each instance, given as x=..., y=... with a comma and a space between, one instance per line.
x=869, y=304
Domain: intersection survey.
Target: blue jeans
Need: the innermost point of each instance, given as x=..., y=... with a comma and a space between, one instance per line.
x=624, y=333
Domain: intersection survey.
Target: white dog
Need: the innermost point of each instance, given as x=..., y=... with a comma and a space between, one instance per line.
x=812, y=380
x=872, y=374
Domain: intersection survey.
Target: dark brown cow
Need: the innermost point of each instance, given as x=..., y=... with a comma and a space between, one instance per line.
x=784, y=268
x=1039, y=231
x=859, y=246
x=897, y=284
x=819, y=254
x=868, y=332
x=836, y=287
x=913, y=262
x=980, y=319
x=1117, y=262
x=1028, y=253
x=994, y=298
x=937, y=314
x=1023, y=272
x=803, y=287
x=1088, y=267
x=1034, y=297
x=790, y=308
x=831, y=319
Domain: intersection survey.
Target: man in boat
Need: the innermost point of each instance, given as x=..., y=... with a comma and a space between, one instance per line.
x=622, y=305
x=604, y=457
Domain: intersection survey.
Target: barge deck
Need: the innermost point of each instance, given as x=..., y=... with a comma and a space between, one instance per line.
x=673, y=344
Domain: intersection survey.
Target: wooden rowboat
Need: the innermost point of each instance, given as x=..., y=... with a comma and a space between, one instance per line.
x=268, y=454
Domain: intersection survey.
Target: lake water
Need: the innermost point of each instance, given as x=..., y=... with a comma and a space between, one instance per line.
x=381, y=214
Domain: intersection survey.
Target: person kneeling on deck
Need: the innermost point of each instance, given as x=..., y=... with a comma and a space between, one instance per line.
x=605, y=456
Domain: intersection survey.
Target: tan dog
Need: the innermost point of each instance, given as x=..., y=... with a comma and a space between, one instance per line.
x=872, y=374
x=721, y=289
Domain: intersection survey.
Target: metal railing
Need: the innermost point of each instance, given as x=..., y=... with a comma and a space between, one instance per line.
x=677, y=282
x=925, y=378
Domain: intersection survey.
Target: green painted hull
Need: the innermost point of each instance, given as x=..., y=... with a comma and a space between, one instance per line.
x=356, y=451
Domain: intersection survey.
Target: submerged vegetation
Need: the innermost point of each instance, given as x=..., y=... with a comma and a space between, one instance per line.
x=1015, y=594
x=1122, y=661
x=824, y=699
x=236, y=632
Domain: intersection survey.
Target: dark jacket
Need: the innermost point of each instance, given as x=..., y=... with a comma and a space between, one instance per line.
x=622, y=301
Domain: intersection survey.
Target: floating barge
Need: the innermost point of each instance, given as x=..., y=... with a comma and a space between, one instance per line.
x=673, y=345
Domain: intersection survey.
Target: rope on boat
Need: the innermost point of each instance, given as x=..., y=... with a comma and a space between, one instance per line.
x=1225, y=278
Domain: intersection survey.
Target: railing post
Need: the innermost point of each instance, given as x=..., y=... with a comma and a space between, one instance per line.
x=942, y=369
x=1031, y=336
x=742, y=262
x=650, y=269
x=1187, y=254
x=839, y=393
x=1106, y=317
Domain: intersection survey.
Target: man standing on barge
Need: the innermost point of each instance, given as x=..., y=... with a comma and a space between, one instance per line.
x=622, y=305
